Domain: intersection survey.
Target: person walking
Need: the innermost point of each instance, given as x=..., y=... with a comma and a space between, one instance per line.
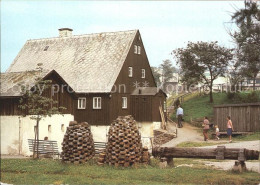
x=229, y=128
x=179, y=115
x=206, y=128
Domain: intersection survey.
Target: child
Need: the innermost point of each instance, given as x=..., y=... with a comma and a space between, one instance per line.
x=217, y=132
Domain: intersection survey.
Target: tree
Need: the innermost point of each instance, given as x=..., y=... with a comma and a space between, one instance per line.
x=167, y=70
x=156, y=74
x=36, y=103
x=247, y=38
x=236, y=74
x=198, y=58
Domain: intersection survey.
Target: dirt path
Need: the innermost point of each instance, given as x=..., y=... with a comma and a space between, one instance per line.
x=186, y=133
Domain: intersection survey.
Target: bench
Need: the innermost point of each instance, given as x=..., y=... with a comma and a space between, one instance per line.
x=99, y=147
x=46, y=147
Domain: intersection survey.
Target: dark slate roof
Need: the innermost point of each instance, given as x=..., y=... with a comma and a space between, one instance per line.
x=88, y=63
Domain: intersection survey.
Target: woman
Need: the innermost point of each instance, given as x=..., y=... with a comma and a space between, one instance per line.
x=206, y=128
x=229, y=128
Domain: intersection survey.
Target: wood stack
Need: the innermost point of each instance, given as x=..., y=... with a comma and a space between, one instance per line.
x=101, y=158
x=145, y=156
x=78, y=144
x=124, y=147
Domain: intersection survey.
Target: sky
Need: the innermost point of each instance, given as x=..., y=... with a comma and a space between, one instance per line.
x=164, y=25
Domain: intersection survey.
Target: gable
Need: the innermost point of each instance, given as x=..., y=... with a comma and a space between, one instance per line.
x=137, y=62
x=88, y=63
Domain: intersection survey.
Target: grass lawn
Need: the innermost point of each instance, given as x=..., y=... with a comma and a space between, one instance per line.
x=48, y=171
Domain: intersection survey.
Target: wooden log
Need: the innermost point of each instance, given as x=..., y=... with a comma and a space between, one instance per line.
x=206, y=153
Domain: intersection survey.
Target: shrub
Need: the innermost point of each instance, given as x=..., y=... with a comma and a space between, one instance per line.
x=253, y=97
x=231, y=95
x=244, y=97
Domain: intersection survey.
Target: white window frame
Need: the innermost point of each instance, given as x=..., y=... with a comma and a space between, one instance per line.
x=143, y=73
x=82, y=103
x=139, y=50
x=62, y=127
x=130, y=71
x=124, y=102
x=97, y=105
x=49, y=128
x=135, y=49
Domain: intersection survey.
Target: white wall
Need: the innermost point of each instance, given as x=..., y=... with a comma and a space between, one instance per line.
x=145, y=128
x=99, y=133
x=10, y=132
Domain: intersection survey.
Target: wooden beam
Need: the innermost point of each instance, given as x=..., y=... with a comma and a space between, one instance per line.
x=206, y=153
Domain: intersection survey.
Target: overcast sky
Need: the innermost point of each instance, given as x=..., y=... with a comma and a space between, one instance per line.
x=164, y=25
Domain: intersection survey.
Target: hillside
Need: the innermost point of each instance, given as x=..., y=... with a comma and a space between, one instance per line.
x=198, y=107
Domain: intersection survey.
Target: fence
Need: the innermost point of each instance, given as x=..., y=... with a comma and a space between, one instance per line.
x=245, y=117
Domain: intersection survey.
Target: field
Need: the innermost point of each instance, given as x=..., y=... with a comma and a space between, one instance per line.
x=48, y=171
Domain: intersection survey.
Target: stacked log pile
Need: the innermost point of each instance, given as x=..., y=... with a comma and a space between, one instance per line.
x=162, y=136
x=145, y=156
x=78, y=144
x=124, y=147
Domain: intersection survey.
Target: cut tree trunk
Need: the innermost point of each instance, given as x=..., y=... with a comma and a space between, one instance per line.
x=206, y=153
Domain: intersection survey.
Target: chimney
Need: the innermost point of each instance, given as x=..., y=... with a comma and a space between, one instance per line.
x=65, y=32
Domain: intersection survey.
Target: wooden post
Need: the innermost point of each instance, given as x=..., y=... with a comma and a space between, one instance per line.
x=170, y=161
x=239, y=166
x=220, y=153
x=241, y=155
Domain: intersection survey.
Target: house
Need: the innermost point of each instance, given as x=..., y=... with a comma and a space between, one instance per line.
x=249, y=82
x=97, y=77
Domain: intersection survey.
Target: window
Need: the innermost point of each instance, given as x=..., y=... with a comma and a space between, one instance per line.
x=49, y=128
x=124, y=102
x=143, y=73
x=138, y=50
x=130, y=71
x=82, y=103
x=62, y=128
x=46, y=48
x=97, y=103
x=135, y=49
